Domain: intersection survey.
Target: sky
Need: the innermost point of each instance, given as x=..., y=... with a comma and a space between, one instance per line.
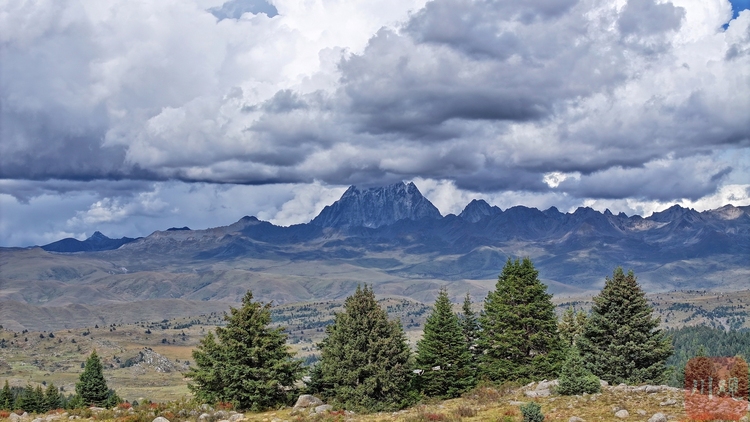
x=128, y=117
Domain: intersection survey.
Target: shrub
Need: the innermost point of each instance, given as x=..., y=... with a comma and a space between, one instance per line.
x=532, y=412
x=575, y=378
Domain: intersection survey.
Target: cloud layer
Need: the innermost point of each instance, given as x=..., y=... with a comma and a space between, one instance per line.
x=576, y=101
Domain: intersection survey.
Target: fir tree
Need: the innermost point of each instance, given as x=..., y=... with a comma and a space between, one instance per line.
x=444, y=347
x=52, y=399
x=6, y=397
x=469, y=326
x=364, y=358
x=518, y=336
x=91, y=387
x=250, y=365
x=571, y=325
x=621, y=341
x=31, y=399
x=575, y=378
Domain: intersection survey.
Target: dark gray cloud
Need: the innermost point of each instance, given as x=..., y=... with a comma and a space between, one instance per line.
x=490, y=95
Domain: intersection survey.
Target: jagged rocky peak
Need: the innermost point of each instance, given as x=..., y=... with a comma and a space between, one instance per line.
x=376, y=207
x=479, y=209
x=98, y=236
x=673, y=213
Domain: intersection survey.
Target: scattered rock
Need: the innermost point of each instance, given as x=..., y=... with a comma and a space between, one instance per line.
x=96, y=409
x=650, y=389
x=14, y=417
x=516, y=403
x=546, y=385
x=221, y=414
x=537, y=393
x=603, y=383
x=575, y=419
x=203, y=417
x=307, y=400
x=236, y=417
x=622, y=414
x=323, y=408
x=658, y=417
x=668, y=402
x=641, y=412
x=38, y=420
x=160, y=419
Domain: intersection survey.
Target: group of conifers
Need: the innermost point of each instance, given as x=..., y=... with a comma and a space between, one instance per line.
x=366, y=363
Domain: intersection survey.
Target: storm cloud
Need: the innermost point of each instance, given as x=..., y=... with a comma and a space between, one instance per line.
x=573, y=101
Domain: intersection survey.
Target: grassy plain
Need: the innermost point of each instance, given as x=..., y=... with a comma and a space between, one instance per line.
x=148, y=359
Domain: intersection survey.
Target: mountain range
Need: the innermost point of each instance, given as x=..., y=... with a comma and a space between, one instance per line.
x=391, y=237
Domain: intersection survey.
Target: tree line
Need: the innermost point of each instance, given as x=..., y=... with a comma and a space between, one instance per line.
x=366, y=363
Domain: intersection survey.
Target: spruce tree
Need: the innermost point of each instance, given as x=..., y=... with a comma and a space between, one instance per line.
x=469, y=326
x=518, y=336
x=364, y=358
x=575, y=378
x=31, y=400
x=571, y=325
x=52, y=399
x=444, y=348
x=250, y=365
x=91, y=387
x=6, y=397
x=621, y=342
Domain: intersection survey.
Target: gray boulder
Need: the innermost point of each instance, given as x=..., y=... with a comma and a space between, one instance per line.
x=658, y=417
x=307, y=400
x=622, y=414
x=160, y=419
x=575, y=419
x=323, y=408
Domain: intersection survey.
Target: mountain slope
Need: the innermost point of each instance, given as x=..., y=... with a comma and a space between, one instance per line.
x=394, y=239
x=97, y=242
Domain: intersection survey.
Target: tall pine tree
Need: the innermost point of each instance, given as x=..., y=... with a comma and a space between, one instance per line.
x=250, y=365
x=91, y=386
x=444, y=348
x=621, y=341
x=519, y=337
x=364, y=361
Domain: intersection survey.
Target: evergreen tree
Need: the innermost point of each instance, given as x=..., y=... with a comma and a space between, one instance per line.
x=575, y=378
x=30, y=400
x=6, y=397
x=365, y=357
x=444, y=347
x=571, y=325
x=621, y=341
x=250, y=365
x=91, y=387
x=518, y=336
x=52, y=399
x=41, y=405
x=470, y=326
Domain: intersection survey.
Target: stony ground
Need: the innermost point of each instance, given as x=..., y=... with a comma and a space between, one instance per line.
x=485, y=403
